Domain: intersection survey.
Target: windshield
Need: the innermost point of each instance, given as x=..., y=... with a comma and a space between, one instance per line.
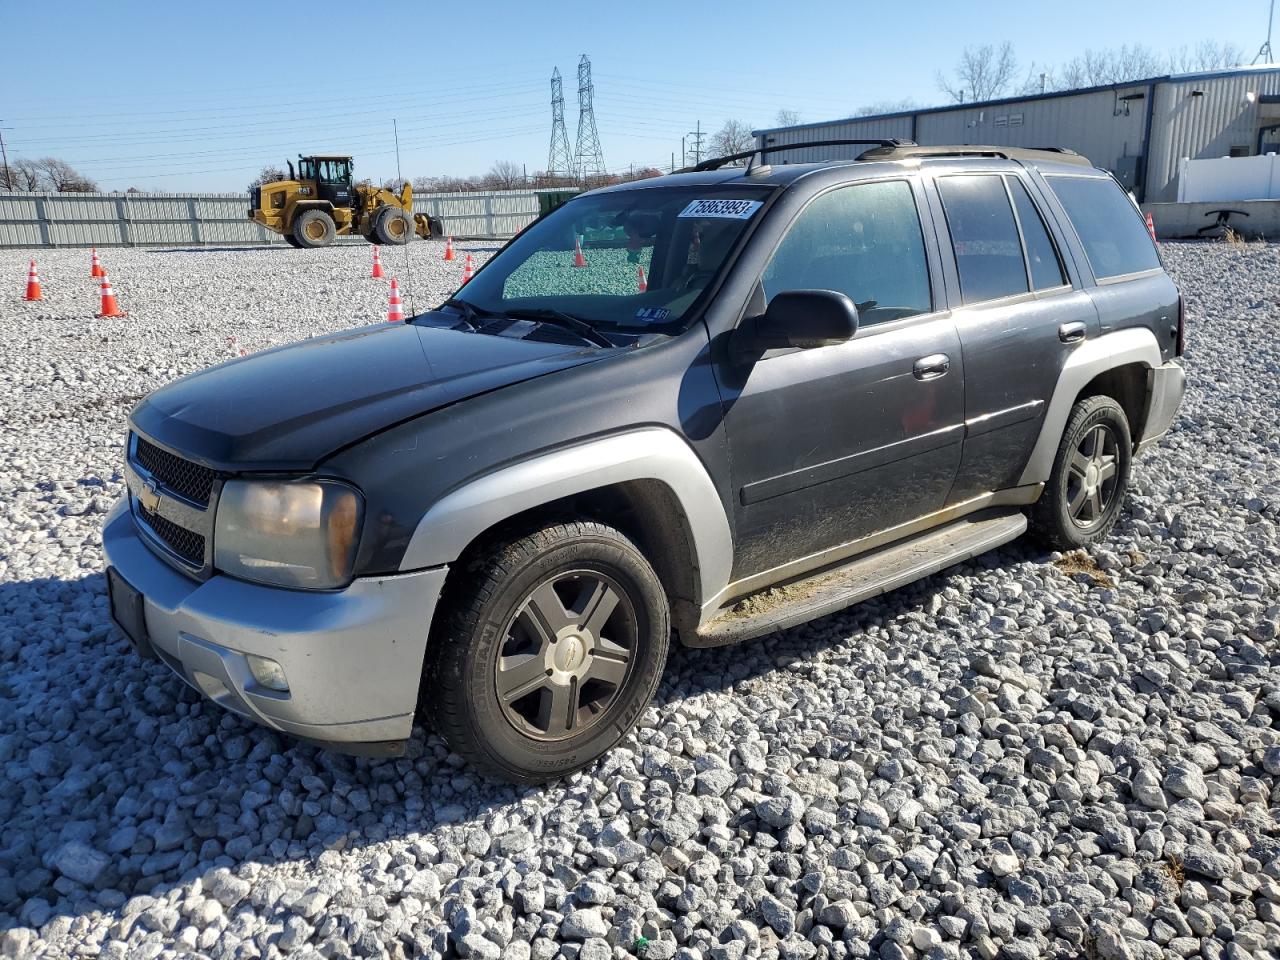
x=634, y=259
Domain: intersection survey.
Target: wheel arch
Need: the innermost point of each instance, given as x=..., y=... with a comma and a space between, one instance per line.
x=1121, y=362
x=648, y=483
x=302, y=206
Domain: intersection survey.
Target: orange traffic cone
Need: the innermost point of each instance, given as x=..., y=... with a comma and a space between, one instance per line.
x=578, y=259
x=448, y=249
x=1151, y=228
x=109, y=306
x=96, y=270
x=642, y=284
x=395, y=311
x=377, y=265
x=467, y=272
x=34, y=292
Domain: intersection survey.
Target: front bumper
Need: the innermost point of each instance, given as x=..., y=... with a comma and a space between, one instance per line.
x=1165, y=386
x=353, y=657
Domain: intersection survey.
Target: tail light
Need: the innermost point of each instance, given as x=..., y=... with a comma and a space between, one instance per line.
x=1181, y=347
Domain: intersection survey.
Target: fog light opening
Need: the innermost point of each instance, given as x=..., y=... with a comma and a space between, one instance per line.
x=267, y=673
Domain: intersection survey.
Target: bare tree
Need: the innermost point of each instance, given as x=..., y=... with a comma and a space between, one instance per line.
x=505, y=175
x=393, y=184
x=982, y=73
x=268, y=174
x=786, y=117
x=1206, y=55
x=1095, y=68
x=887, y=106
x=734, y=137
x=58, y=176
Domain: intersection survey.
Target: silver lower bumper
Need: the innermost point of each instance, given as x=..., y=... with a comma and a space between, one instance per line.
x=353, y=657
x=1166, y=385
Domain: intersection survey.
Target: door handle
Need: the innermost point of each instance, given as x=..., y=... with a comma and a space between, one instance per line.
x=931, y=367
x=1072, y=332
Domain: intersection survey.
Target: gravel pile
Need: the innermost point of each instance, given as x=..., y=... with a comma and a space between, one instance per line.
x=1029, y=755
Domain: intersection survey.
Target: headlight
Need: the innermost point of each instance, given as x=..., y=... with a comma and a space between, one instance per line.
x=290, y=534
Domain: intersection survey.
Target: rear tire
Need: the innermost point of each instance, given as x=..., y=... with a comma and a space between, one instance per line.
x=292, y=241
x=313, y=228
x=549, y=653
x=1086, y=490
x=391, y=225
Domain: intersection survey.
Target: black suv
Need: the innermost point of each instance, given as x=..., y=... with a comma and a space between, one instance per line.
x=713, y=404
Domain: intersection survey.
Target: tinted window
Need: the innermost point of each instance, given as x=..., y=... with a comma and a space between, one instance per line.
x=1112, y=232
x=1042, y=256
x=863, y=241
x=985, y=237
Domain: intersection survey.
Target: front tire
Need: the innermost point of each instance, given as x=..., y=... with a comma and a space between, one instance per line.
x=391, y=225
x=1086, y=490
x=549, y=653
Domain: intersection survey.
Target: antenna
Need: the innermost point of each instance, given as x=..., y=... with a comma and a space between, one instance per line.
x=560, y=157
x=590, y=157
x=408, y=274
x=1264, y=52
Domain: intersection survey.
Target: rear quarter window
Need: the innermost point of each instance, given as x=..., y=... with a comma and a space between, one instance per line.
x=1111, y=231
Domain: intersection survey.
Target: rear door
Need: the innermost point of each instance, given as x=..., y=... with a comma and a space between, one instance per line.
x=1018, y=317
x=836, y=443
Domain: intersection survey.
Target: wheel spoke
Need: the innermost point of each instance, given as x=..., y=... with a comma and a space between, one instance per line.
x=600, y=602
x=1095, y=503
x=520, y=676
x=1107, y=468
x=559, y=709
x=1076, y=503
x=607, y=669
x=1079, y=463
x=545, y=608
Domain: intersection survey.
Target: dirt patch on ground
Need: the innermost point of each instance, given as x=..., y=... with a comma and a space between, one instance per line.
x=1077, y=562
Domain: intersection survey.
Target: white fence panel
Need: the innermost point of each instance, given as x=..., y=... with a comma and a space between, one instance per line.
x=1229, y=178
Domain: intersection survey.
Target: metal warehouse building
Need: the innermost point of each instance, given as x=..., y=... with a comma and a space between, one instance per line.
x=1139, y=131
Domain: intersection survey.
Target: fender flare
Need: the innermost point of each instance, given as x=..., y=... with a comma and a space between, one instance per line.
x=1093, y=357
x=650, y=453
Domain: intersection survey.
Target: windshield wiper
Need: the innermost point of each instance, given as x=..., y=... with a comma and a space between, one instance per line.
x=470, y=312
x=561, y=319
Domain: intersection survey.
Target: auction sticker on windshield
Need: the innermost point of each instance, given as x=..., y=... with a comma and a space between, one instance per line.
x=722, y=209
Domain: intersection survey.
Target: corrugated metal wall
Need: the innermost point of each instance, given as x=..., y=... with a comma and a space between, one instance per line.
x=1101, y=124
x=1209, y=125
x=135, y=219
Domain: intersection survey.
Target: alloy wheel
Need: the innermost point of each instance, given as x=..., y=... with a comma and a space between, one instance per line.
x=1092, y=476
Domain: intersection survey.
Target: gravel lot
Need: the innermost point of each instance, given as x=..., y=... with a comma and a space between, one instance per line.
x=1026, y=756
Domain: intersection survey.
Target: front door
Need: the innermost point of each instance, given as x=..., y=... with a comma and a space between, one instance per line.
x=333, y=181
x=835, y=443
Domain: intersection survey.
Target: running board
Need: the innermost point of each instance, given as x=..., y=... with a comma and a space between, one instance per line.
x=861, y=578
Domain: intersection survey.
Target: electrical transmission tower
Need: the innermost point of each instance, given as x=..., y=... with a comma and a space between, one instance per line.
x=559, y=159
x=1264, y=53
x=589, y=156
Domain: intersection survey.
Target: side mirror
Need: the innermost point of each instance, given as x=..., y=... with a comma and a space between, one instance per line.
x=804, y=319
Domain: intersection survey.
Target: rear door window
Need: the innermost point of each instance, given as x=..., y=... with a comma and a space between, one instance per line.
x=984, y=235
x=1110, y=228
x=1042, y=255
x=862, y=240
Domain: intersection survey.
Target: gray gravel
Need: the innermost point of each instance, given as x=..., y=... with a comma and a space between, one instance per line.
x=1027, y=756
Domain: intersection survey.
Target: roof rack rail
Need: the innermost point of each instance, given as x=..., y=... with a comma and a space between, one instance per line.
x=914, y=151
x=715, y=163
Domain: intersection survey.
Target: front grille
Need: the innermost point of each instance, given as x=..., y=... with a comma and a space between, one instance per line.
x=188, y=480
x=187, y=544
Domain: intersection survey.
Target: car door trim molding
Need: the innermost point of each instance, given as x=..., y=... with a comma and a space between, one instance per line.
x=649, y=453
x=1086, y=361
x=1000, y=419
x=796, y=569
x=854, y=463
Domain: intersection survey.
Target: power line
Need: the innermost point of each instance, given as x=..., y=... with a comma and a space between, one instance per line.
x=559, y=157
x=588, y=155
x=697, y=143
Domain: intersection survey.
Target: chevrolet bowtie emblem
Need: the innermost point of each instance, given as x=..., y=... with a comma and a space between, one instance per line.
x=149, y=495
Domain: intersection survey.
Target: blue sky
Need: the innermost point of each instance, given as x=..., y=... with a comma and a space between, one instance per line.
x=196, y=96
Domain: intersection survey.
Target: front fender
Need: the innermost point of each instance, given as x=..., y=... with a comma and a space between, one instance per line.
x=651, y=453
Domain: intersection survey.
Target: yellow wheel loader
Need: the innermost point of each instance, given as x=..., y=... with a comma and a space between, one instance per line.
x=319, y=202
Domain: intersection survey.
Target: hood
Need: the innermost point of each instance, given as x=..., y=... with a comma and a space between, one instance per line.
x=289, y=408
